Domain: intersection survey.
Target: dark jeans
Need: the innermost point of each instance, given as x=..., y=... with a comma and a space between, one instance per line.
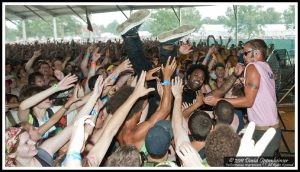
x=134, y=48
x=273, y=145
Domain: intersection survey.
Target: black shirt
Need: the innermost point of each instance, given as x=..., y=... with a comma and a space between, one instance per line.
x=188, y=95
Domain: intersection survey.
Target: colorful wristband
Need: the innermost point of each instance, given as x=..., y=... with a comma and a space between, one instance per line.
x=94, y=112
x=74, y=155
x=207, y=57
x=93, y=64
x=166, y=83
x=56, y=87
x=114, y=78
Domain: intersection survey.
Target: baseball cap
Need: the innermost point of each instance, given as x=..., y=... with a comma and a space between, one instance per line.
x=157, y=141
x=166, y=124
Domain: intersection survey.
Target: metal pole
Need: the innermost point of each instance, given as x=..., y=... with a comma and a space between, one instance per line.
x=24, y=30
x=54, y=28
x=236, y=24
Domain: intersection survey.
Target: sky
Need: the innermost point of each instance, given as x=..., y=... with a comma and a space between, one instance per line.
x=213, y=12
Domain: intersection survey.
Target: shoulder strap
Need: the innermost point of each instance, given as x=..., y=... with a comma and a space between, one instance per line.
x=11, y=119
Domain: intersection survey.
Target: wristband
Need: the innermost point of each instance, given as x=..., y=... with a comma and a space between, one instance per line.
x=88, y=54
x=207, y=57
x=93, y=64
x=56, y=87
x=92, y=102
x=166, y=82
x=114, y=78
x=94, y=112
x=74, y=155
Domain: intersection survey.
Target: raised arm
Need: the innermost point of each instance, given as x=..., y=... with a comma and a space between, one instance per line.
x=165, y=105
x=53, y=144
x=92, y=69
x=64, y=84
x=180, y=134
x=97, y=153
x=28, y=66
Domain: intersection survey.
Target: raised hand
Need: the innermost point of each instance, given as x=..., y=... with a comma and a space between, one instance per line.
x=74, y=98
x=67, y=82
x=37, y=53
x=125, y=65
x=186, y=105
x=189, y=156
x=59, y=75
x=149, y=75
x=140, y=89
x=169, y=69
x=185, y=49
x=78, y=135
x=160, y=89
x=248, y=146
x=177, y=87
x=98, y=86
x=96, y=55
x=199, y=98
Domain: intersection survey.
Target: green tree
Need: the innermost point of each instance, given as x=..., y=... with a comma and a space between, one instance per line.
x=12, y=34
x=289, y=17
x=208, y=20
x=249, y=20
x=163, y=20
x=111, y=27
x=270, y=16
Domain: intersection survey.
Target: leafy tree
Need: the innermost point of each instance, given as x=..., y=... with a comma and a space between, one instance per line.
x=270, y=16
x=111, y=27
x=164, y=19
x=249, y=20
x=289, y=17
x=208, y=20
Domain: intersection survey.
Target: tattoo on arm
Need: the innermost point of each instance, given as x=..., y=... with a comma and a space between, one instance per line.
x=252, y=85
x=225, y=87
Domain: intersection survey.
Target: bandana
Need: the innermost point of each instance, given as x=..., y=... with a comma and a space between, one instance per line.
x=11, y=138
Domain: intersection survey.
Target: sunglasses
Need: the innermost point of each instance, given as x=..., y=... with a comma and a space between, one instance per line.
x=247, y=52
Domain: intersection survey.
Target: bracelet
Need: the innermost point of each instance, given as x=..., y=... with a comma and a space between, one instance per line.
x=94, y=112
x=92, y=102
x=114, y=78
x=207, y=57
x=74, y=155
x=56, y=87
x=93, y=64
x=166, y=82
x=88, y=54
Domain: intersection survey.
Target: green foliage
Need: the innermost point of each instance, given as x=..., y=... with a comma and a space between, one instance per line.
x=270, y=16
x=163, y=20
x=249, y=20
x=289, y=17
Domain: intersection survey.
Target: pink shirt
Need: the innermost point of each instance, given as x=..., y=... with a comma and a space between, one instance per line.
x=264, y=110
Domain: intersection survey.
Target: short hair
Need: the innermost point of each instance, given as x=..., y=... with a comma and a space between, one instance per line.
x=218, y=65
x=200, y=125
x=224, y=112
x=32, y=77
x=124, y=156
x=201, y=67
x=120, y=97
x=220, y=143
x=259, y=44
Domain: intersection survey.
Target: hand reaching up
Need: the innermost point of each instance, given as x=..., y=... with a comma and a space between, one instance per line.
x=185, y=49
x=78, y=135
x=248, y=146
x=140, y=89
x=189, y=156
x=177, y=87
x=150, y=73
x=169, y=69
x=98, y=86
x=67, y=82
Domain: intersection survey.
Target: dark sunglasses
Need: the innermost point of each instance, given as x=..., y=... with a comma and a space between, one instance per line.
x=247, y=52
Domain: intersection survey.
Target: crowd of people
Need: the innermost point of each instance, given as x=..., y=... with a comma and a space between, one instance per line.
x=139, y=103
